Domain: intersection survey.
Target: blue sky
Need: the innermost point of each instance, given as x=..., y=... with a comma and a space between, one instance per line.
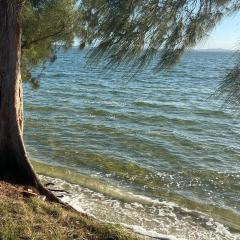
x=225, y=35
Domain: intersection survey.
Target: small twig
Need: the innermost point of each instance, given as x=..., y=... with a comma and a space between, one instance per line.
x=58, y=190
x=29, y=194
x=49, y=184
x=60, y=196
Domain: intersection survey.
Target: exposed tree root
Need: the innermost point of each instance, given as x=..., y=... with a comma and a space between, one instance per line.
x=51, y=197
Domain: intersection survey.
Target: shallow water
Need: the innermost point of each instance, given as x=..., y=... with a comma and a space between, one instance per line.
x=161, y=138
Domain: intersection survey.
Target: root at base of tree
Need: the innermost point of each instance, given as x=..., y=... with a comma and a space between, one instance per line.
x=52, y=198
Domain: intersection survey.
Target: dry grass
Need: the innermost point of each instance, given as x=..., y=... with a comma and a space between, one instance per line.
x=33, y=218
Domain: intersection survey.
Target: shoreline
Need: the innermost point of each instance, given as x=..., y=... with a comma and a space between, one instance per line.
x=158, y=220
x=177, y=205
x=89, y=205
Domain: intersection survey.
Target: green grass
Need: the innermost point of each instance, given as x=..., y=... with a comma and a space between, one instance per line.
x=32, y=218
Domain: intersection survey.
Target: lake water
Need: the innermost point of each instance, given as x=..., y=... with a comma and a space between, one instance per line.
x=155, y=153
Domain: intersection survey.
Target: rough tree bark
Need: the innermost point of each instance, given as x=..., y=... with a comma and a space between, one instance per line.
x=14, y=163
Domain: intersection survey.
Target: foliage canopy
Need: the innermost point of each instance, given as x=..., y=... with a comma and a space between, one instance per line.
x=135, y=31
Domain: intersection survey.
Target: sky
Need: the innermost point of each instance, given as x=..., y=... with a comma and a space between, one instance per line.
x=226, y=35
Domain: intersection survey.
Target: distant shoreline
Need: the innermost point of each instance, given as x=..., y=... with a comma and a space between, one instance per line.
x=194, y=49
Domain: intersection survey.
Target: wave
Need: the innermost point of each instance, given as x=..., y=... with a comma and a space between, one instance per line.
x=143, y=215
x=150, y=104
x=181, y=205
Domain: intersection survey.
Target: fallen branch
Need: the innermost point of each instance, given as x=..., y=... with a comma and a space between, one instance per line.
x=58, y=190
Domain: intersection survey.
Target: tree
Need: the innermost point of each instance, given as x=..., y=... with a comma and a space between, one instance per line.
x=43, y=28
x=121, y=31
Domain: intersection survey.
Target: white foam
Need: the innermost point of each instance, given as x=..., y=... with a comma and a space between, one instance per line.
x=224, y=232
x=158, y=220
x=150, y=233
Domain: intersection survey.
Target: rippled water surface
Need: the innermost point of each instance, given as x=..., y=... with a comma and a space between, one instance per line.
x=160, y=137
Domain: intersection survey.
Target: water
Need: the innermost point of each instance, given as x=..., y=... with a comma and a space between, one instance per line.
x=155, y=153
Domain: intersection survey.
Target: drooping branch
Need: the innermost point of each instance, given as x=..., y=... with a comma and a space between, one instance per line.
x=140, y=30
x=27, y=44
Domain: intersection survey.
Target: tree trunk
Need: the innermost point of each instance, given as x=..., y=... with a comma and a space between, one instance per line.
x=14, y=163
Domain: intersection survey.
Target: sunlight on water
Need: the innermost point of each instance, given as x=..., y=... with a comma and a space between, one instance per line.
x=159, y=136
